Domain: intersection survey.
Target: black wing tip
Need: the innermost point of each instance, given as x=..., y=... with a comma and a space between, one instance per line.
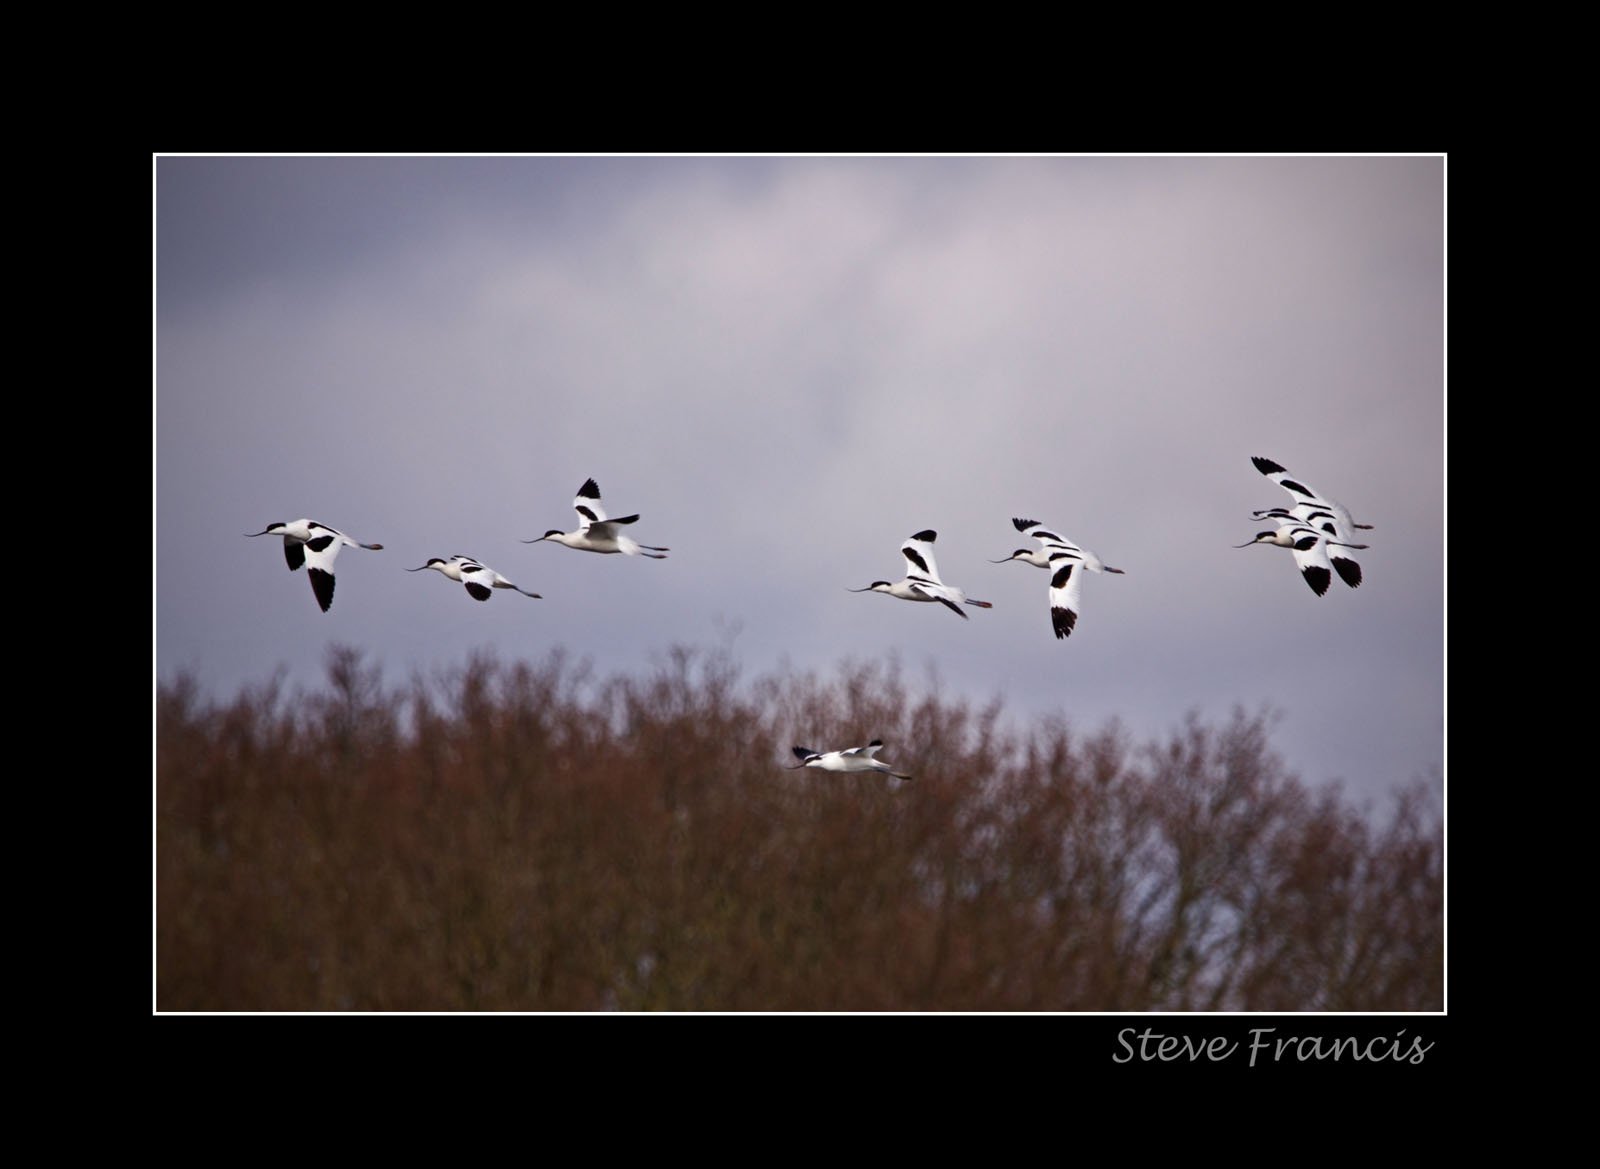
x=1349, y=572
x=1318, y=578
x=803, y=753
x=479, y=592
x=876, y=743
x=590, y=489
x=1023, y=525
x=1266, y=466
x=927, y=534
x=1062, y=621
x=627, y=519
x=954, y=608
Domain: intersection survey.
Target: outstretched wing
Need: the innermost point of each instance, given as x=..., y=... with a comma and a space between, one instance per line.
x=1066, y=592
x=1349, y=571
x=320, y=552
x=1311, y=557
x=1051, y=541
x=587, y=505
x=1308, y=500
x=478, y=578
x=1297, y=490
x=918, y=551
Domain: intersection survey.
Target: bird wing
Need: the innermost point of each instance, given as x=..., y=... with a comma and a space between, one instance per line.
x=1066, y=591
x=1297, y=490
x=1049, y=540
x=1305, y=496
x=918, y=551
x=1311, y=556
x=1345, y=565
x=1053, y=543
x=320, y=552
x=587, y=505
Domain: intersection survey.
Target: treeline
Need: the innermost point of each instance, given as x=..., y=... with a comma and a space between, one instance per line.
x=532, y=838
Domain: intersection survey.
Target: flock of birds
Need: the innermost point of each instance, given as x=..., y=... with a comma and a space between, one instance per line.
x=1317, y=529
x=315, y=546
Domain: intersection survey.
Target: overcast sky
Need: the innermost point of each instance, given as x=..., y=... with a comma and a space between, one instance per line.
x=788, y=366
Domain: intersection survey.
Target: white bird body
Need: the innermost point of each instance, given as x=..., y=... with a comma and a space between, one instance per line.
x=922, y=581
x=1067, y=563
x=480, y=580
x=306, y=542
x=597, y=533
x=853, y=759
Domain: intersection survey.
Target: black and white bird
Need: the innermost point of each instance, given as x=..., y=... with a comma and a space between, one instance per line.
x=853, y=759
x=1314, y=510
x=922, y=582
x=1067, y=563
x=479, y=578
x=597, y=533
x=315, y=546
x=1313, y=503
x=1313, y=551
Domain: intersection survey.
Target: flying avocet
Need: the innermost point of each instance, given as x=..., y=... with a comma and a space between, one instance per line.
x=922, y=581
x=1310, y=505
x=853, y=759
x=595, y=532
x=1312, y=549
x=314, y=545
x=1321, y=520
x=480, y=579
x=1067, y=563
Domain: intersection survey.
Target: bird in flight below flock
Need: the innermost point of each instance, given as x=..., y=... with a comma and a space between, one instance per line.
x=853, y=759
